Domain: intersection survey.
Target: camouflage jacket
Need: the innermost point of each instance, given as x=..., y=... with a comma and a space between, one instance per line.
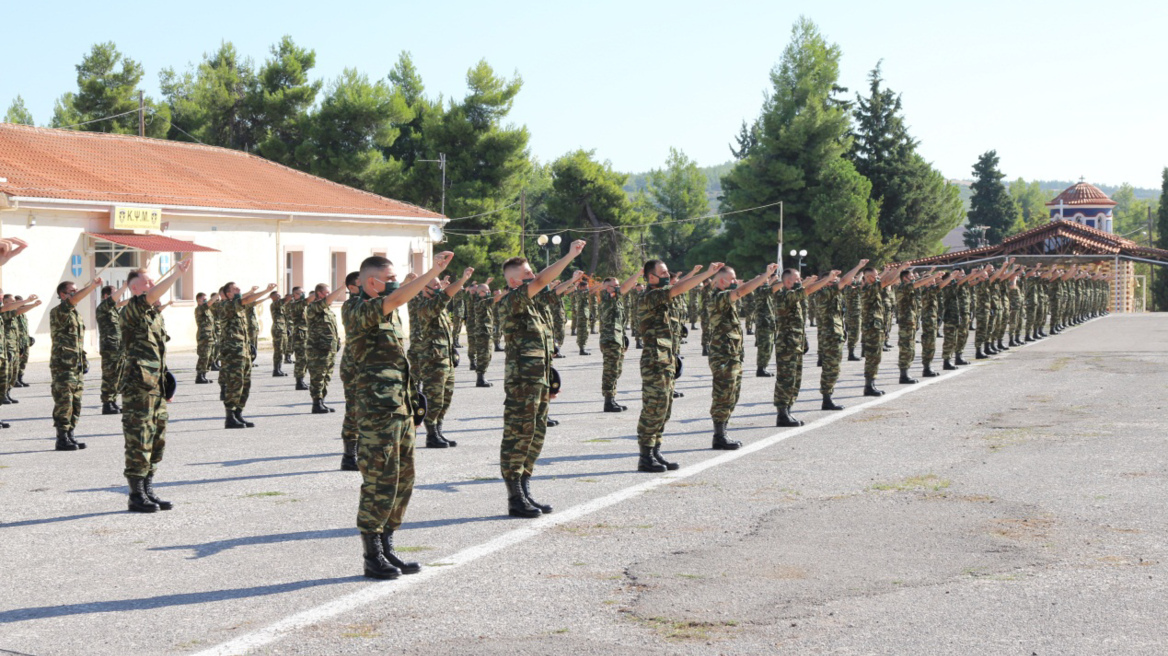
x=346, y=310
x=612, y=319
x=789, y=318
x=205, y=321
x=145, y=347
x=109, y=327
x=381, y=371
x=322, y=326
x=433, y=330
x=872, y=307
x=529, y=339
x=279, y=315
x=724, y=326
x=831, y=311
x=484, y=319
x=235, y=335
x=68, y=335
x=906, y=305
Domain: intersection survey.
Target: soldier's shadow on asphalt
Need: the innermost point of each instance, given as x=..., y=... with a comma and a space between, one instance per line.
x=252, y=461
x=165, y=601
x=63, y=518
x=122, y=489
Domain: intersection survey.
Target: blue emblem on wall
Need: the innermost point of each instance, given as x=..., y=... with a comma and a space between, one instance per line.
x=76, y=262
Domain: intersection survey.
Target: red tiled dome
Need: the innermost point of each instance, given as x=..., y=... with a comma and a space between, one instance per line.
x=1083, y=193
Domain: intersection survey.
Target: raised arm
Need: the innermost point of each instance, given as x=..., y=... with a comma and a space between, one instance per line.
x=629, y=283
x=694, y=279
x=403, y=294
x=29, y=303
x=754, y=283
x=254, y=296
x=545, y=277
x=815, y=285
x=10, y=248
x=85, y=291
x=155, y=293
x=851, y=275
x=456, y=286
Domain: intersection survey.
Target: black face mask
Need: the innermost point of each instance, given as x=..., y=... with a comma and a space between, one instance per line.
x=390, y=287
x=733, y=285
x=661, y=282
x=528, y=281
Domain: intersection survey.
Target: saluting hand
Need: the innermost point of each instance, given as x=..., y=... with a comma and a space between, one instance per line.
x=467, y=273
x=772, y=268
x=577, y=247
x=715, y=267
x=442, y=259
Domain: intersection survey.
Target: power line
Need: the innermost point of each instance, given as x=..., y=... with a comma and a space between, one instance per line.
x=104, y=118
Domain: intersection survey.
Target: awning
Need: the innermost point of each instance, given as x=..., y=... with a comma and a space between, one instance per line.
x=153, y=243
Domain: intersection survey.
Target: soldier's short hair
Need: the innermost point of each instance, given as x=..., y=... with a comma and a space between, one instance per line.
x=63, y=286
x=868, y=269
x=905, y=274
x=107, y=290
x=650, y=268
x=352, y=278
x=133, y=275
x=790, y=272
x=223, y=289
x=200, y=296
x=7, y=298
x=320, y=287
x=371, y=264
x=296, y=289
x=18, y=298
x=512, y=263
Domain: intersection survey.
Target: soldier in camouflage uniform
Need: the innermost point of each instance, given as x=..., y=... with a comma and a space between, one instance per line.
x=764, y=328
x=580, y=307
x=279, y=334
x=217, y=325
x=26, y=340
x=747, y=303
x=457, y=314
x=703, y=294
x=613, y=341
x=484, y=329
x=930, y=302
x=907, y=299
x=235, y=351
x=872, y=319
x=831, y=334
x=528, y=377
x=658, y=358
x=635, y=313
x=298, y=324
x=556, y=303
x=726, y=350
x=253, y=327
x=852, y=304
x=67, y=363
x=204, y=335
x=348, y=374
x=385, y=394
x=323, y=342
x=143, y=386
x=16, y=339
x=8, y=352
x=434, y=356
x=791, y=339
x=109, y=329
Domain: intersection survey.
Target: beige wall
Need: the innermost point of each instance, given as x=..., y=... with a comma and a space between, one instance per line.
x=252, y=252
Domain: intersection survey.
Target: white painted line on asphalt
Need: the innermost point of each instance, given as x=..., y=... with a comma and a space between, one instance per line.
x=378, y=591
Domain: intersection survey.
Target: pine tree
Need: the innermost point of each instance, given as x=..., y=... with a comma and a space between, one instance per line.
x=1160, y=282
x=211, y=102
x=18, y=113
x=677, y=196
x=107, y=96
x=991, y=205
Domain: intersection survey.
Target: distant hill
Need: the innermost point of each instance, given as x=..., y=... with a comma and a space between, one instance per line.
x=639, y=181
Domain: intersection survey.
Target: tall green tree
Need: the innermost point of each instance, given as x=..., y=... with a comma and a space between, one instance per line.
x=991, y=205
x=794, y=156
x=280, y=100
x=678, y=202
x=107, y=94
x=918, y=206
x=1031, y=202
x=18, y=113
x=589, y=195
x=1159, y=273
x=213, y=102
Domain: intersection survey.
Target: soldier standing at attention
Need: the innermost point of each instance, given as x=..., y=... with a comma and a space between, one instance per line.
x=528, y=370
x=253, y=327
x=930, y=301
x=323, y=342
x=109, y=329
x=635, y=312
x=435, y=354
x=726, y=351
x=764, y=329
x=484, y=329
x=580, y=306
x=872, y=315
x=145, y=415
x=26, y=340
x=906, y=321
x=204, y=335
x=298, y=323
x=67, y=363
x=791, y=342
x=279, y=334
x=8, y=350
x=15, y=342
x=457, y=312
x=216, y=301
x=558, y=317
x=852, y=318
x=235, y=375
x=831, y=334
x=613, y=341
x=385, y=410
x=348, y=374
x=658, y=359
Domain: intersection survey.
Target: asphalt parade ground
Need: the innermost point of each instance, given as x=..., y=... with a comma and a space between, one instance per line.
x=1012, y=507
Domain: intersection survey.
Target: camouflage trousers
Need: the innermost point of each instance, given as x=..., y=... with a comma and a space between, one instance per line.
x=1017, y=317
x=764, y=338
x=887, y=324
x=23, y=363
x=830, y=354
x=6, y=367
x=582, y=334
x=525, y=412
x=873, y=343
x=983, y=331
x=66, y=388
x=321, y=360
x=438, y=385
x=205, y=348
x=235, y=378
x=385, y=455
x=349, y=425
x=480, y=351
x=788, y=370
x=726, y=373
x=498, y=333
x=949, y=346
x=456, y=329
x=928, y=342
x=906, y=342
x=704, y=322
x=280, y=343
x=657, y=369
x=558, y=328
x=852, y=326
x=300, y=352
x=962, y=336
x=13, y=364
x=614, y=360
x=111, y=375
x=144, y=417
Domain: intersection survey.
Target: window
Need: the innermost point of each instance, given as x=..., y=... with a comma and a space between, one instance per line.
x=417, y=262
x=293, y=269
x=183, y=289
x=114, y=256
x=338, y=269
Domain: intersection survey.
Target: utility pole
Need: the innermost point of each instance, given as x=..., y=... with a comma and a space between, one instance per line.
x=523, y=222
x=141, y=114
x=1151, y=269
x=779, y=261
x=441, y=161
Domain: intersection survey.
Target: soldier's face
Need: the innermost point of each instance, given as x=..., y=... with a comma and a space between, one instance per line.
x=790, y=280
x=232, y=291
x=322, y=293
x=661, y=273
x=70, y=290
x=726, y=277
x=870, y=277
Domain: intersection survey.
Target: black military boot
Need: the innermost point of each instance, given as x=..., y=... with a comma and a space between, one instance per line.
x=829, y=404
x=319, y=408
x=960, y=360
x=525, y=486
x=201, y=379
x=639, y=344
x=499, y=348
x=949, y=366
x=584, y=351
x=677, y=394
x=552, y=423
x=4, y=424
x=610, y=405
x=349, y=458
x=989, y=349
x=4, y=400
x=1002, y=347
x=214, y=366
x=705, y=350
x=432, y=439
x=749, y=330
x=1029, y=336
x=905, y=379
x=73, y=441
x=108, y=408
x=852, y=354
x=978, y=354
x=300, y=386
x=648, y=463
x=239, y=416
x=405, y=566
x=232, y=421
x=64, y=443
x=870, y=388
x=20, y=381
x=139, y=502
x=671, y=466
x=785, y=420
x=483, y=382
x=8, y=395
x=517, y=503
x=819, y=361
x=376, y=565
x=442, y=436
x=929, y=373
x=277, y=372
x=763, y=373
x=287, y=358
x=148, y=489
x=720, y=441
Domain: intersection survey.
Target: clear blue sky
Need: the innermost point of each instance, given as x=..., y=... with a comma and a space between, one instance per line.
x=1059, y=89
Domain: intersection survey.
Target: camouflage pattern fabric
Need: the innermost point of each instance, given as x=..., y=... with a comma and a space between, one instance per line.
x=10, y=350
x=527, y=381
x=435, y=354
x=323, y=343
x=789, y=331
x=612, y=341
x=66, y=364
x=965, y=301
x=852, y=318
x=983, y=307
x=1017, y=309
x=726, y=353
x=109, y=329
x=235, y=353
x=484, y=330
x=830, y=337
x=906, y=322
x=22, y=321
x=253, y=330
x=348, y=374
x=580, y=317
x=764, y=325
x=204, y=337
x=298, y=324
x=872, y=322
x=144, y=411
x=279, y=332
x=930, y=301
x=657, y=365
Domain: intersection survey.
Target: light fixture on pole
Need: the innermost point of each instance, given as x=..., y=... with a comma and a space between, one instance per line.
x=799, y=254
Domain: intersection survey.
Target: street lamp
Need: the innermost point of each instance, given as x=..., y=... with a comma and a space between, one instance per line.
x=543, y=241
x=799, y=254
